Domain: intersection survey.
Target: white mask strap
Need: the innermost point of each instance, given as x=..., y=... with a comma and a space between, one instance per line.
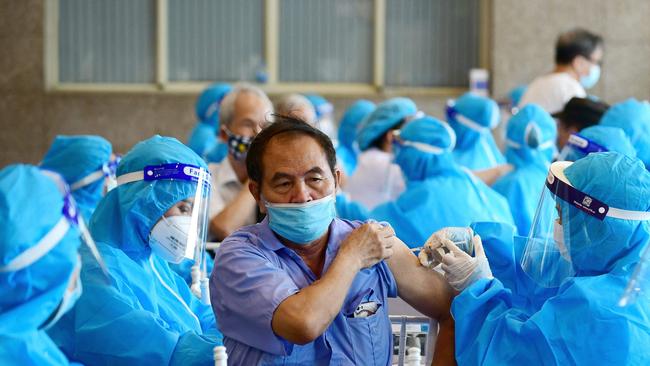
x=470, y=124
x=130, y=177
x=31, y=255
x=513, y=144
x=618, y=213
x=90, y=178
x=423, y=147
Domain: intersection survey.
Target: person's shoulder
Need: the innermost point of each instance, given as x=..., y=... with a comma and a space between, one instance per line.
x=244, y=236
x=245, y=242
x=348, y=225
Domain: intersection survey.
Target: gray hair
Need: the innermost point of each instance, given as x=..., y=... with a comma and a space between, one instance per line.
x=290, y=103
x=227, y=107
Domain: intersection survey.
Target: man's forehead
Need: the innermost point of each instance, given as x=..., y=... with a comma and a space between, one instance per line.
x=247, y=100
x=294, y=153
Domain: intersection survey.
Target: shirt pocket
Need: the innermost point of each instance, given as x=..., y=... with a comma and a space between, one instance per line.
x=371, y=337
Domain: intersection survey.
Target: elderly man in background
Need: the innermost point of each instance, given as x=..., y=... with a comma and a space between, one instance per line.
x=242, y=115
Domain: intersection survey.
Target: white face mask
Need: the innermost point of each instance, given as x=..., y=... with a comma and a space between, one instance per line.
x=558, y=236
x=168, y=238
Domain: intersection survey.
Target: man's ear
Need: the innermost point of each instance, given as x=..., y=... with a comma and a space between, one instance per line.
x=222, y=134
x=581, y=65
x=255, y=190
x=337, y=178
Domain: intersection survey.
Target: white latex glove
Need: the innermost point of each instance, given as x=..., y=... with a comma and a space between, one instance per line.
x=435, y=247
x=461, y=270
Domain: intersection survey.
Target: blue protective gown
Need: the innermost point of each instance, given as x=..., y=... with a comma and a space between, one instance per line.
x=184, y=269
x=621, y=114
x=203, y=137
x=581, y=324
x=347, y=148
x=350, y=210
x=530, y=137
x=30, y=206
x=75, y=157
x=451, y=198
x=504, y=250
x=475, y=147
x=439, y=193
x=475, y=150
x=145, y=314
x=217, y=153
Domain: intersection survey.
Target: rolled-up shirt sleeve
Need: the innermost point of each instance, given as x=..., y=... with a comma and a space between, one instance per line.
x=245, y=288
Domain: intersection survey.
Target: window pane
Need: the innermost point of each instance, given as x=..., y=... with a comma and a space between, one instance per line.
x=326, y=40
x=215, y=40
x=431, y=42
x=106, y=41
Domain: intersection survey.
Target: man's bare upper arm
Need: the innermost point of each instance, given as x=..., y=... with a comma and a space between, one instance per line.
x=424, y=289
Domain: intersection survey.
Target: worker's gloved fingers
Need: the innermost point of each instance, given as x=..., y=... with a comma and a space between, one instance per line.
x=478, y=246
x=457, y=234
x=453, y=248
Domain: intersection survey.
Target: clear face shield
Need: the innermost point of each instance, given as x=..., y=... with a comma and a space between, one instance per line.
x=71, y=217
x=561, y=215
x=546, y=258
x=182, y=231
x=581, y=146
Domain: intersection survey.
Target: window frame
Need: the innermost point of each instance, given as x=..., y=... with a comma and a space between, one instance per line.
x=271, y=53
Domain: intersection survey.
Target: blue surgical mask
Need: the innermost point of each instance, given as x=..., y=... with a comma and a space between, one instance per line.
x=302, y=223
x=590, y=80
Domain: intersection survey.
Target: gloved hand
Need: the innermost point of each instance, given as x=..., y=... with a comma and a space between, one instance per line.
x=435, y=247
x=461, y=270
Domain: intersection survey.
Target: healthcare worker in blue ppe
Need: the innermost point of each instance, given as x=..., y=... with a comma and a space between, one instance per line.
x=596, y=139
x=87, y=164
x=514, y=97
x=633, y=117
x=146, y=313
x=530, y=148
x=439, y=192
x=39, y=263
x=377, y=179
x=473, y=117
x=592, y=225
x=347, y=148
x=203, y=138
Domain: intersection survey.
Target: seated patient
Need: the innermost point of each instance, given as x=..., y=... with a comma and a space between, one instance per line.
x=303, y=287
x=144, y=313
x=439, y=192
